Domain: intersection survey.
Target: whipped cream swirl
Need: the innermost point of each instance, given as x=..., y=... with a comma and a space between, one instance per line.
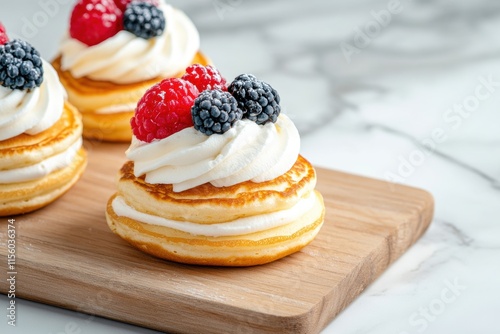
x=247, y=152
x=31, y=111
x=126, y=58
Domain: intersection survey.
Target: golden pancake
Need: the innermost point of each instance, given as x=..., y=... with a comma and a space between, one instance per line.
x=107, y=127
x=90, y=96
x=206, y=205
x=27, y=150
x=24, y=150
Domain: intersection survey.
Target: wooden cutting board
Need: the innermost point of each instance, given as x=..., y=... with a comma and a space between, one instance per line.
x=67, y=256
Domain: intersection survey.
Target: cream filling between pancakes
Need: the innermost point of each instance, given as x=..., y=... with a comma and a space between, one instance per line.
x=43, y=168
x=116, y=58
x=247, y=152
x=31, y=111
x=241, y=226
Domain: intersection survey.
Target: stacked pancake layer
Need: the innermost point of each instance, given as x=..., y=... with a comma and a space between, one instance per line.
x=37, y=169
x=240, y=225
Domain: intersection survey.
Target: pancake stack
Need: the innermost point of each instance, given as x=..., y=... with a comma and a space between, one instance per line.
x=30, y=150
x=209, y=206
x=41, y=154
x=229, y=190
x=106, y=64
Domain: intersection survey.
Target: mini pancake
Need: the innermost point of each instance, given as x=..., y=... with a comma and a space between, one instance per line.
x=207, y=204
x=90, y=96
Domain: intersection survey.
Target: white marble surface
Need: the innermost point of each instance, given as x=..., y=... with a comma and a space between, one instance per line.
x=415, y=100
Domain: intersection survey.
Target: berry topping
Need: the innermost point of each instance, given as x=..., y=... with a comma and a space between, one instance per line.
x=3, y=35
x=144, y=20
x=205, y=77
x=20, y=66
x=164, y=110
x=258, y=100
x=122, y=4
x=94, y=21
x=215, y=111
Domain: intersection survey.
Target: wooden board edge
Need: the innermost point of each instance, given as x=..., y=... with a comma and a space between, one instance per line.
x=92, y=300
x=370, y=269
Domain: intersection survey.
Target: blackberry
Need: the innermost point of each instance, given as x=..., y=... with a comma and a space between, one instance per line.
x=257, y=99
x=20, y=65
x=215, y=111
x=144, y=20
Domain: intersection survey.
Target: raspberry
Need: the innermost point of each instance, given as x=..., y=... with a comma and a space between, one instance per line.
x=20, y=66
x=94, y=21
x=144, y=20
x=3, y=35
x=205, y=77
x=122, y=4
x=215, y=111
x=164, y=110
x=258, y=100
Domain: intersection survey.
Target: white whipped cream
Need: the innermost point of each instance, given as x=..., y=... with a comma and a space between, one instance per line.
x=43, y=168
x=126, y=58
x=31, y=111
x=247, y=152
x=239, y=226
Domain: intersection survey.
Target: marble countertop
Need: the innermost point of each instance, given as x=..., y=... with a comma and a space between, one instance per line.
x=401, y=90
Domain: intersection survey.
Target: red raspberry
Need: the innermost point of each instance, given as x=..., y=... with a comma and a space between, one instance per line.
x=122, y=4
x=3, y=35
x=164, y=110
x=205, y=77
x=94, y=21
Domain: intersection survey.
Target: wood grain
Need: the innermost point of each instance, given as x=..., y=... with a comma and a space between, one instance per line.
x=67, y=256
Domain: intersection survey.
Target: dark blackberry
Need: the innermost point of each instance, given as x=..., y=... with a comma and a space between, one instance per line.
x=144, y=19
x=215, y=111
x=20, y=65
x=257, y=99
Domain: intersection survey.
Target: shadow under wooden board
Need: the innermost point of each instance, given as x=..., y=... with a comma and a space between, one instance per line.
x=67, y=256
